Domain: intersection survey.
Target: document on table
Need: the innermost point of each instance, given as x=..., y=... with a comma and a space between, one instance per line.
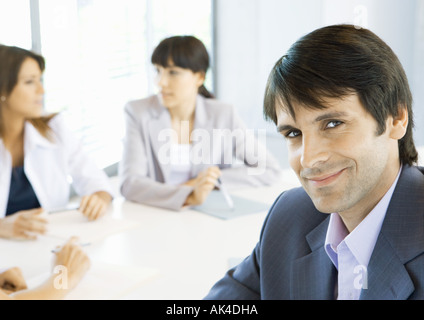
x=66, y=224
x=215, y=205
x=103, y=281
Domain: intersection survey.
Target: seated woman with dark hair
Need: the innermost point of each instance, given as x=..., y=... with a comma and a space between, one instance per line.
x=180, y=141
x=38, y=154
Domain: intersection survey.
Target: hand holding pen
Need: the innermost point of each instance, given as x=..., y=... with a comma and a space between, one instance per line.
x=202, y=185
x=72, y=257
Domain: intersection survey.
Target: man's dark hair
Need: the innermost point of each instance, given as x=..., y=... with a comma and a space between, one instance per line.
x=336, y=61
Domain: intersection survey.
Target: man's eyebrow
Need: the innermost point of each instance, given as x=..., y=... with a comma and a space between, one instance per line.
x=325, y=116
x=285, y=127
x=331, y=115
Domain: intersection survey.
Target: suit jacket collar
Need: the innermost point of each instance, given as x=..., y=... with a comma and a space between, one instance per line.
x=401, y=239
x=314, y=275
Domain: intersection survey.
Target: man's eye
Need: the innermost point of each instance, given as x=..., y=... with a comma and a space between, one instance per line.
x=292, y=134
x=333, y=124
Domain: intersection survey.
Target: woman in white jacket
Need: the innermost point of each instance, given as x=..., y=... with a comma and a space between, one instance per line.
x=38, y=153
x=179, y=142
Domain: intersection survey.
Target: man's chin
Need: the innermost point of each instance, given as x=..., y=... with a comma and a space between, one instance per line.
x=325, y=205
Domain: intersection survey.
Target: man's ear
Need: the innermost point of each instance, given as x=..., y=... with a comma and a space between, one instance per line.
x=399, y=124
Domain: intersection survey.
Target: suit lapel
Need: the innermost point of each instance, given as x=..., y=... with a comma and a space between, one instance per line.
x=160, y=134
x=314, y=275
x=387, y=275
x=202, y=138
x=401, y=239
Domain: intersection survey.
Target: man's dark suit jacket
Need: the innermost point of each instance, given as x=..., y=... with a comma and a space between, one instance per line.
x=290, y=262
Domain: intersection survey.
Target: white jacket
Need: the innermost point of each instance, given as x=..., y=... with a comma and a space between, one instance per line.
x=52, y=166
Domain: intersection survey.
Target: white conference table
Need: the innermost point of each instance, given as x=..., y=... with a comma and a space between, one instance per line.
x=188, y=250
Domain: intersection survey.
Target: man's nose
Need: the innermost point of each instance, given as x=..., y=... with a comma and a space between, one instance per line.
x=314, y=151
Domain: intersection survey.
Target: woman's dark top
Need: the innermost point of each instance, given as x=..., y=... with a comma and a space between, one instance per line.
x=21, y=193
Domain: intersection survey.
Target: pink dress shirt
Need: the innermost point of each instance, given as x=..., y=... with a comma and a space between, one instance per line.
x=350, y=253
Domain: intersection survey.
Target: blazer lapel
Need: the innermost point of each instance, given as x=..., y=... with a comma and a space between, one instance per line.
x=387, y=277
x=161, y=135
x=314, y=275
x=202, y=138
x=401, y=240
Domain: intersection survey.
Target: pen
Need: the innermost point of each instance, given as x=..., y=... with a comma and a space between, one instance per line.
x=84, y=244
x=226, y=195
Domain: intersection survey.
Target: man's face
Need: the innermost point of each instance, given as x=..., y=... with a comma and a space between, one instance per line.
x=339, y=159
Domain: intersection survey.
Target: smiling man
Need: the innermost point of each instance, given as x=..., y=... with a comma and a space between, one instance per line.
x=355, y=229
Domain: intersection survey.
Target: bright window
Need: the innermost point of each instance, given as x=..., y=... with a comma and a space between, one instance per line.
x=98, y=56
x=15, y=23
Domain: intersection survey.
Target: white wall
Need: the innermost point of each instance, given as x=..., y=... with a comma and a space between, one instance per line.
x=252, y=34
x=418, y=75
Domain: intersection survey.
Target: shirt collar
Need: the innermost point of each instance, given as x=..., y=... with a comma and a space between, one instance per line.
x=362, y=239
x=34, y=138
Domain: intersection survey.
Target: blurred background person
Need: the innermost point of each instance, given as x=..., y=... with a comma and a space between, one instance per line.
x=170, y=157
x=38, y=153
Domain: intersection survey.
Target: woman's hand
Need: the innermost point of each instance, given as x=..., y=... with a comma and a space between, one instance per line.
x=23, y=225
x=203, y=184
x=94, y=206
x=74, y=261
x=12, y=280
x=70, y=266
